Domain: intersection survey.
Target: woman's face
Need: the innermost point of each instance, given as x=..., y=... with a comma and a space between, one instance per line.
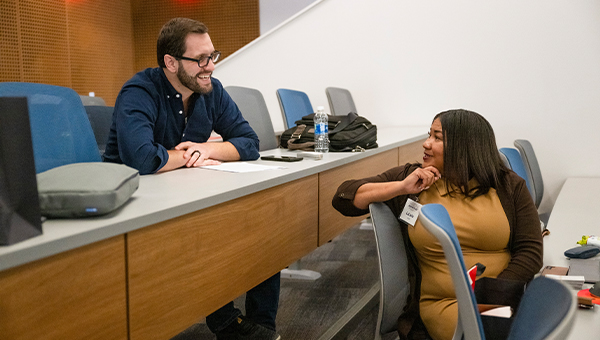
x=434, y=147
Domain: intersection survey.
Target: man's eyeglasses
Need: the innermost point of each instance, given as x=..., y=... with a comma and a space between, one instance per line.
x=203, y=61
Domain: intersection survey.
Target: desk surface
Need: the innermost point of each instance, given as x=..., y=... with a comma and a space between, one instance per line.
x=576, y=213
x=165, y=196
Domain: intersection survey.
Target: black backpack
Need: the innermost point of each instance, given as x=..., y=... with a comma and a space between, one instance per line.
x=346, y=133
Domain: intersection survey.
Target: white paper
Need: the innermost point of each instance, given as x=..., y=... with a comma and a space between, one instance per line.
x=502, y=312
x=241, y=167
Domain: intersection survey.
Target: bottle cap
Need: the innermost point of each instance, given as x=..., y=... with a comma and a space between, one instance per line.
x=320, y=108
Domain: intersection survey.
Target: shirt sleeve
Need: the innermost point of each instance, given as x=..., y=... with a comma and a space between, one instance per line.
x=136, y=114
x=343, y=200
x=527, y=246
x=234, y=129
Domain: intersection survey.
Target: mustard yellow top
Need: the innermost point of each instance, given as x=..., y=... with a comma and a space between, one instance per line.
x=483, y=232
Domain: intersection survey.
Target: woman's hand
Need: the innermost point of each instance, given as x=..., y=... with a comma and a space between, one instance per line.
x=417, y=181
x=420, y=179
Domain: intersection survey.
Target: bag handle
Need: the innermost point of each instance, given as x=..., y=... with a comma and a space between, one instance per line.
x=296, y=136
x=347, y=120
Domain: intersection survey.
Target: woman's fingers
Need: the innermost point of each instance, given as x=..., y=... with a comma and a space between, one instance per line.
x=427, y=177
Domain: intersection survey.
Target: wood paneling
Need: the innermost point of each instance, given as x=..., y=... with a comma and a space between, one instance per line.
x=331, y=222
x=232, y=24
x=96, y=46
x=79, y=294
x=10, y=45
x=84, y=45
x=101, y=51
x=174, y=266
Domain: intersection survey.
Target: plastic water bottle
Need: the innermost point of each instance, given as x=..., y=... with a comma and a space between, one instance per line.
x=321, y=130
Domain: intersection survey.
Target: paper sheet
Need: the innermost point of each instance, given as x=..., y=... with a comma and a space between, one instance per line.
x=502, y=312
x=242, y=167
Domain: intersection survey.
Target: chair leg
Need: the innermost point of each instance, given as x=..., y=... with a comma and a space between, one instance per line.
x=295, y=271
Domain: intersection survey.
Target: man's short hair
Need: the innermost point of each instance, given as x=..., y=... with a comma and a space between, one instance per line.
x=171, y=39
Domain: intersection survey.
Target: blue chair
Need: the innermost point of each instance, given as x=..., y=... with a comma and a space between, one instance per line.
x=294, y=105
x=436, y=220
x=60, y=129
x=393, y=268
x=532, y=170
x=524, y=163
x=546, y=310
x=516, y=164
x=254, y=109
x=340, y=101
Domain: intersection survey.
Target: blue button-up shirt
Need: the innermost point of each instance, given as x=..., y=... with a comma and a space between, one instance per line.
x=149, y=120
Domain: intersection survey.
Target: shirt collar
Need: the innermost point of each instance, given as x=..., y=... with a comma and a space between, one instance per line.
x=169, y=89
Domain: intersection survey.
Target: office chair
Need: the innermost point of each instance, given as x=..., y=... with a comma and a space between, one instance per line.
x=534, y=174
x=393, y=268
x=100, y=119
x=92, y=101
x=340, y=101
x=532, y=170
x=504, y=159
x=546, y=309
x=254, y=109
x=516, y=164
x=436, y=220
x=294, y=105
x=60, y=129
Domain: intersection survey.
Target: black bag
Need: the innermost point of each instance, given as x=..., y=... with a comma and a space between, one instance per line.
x=496, y=291
x=346, y=133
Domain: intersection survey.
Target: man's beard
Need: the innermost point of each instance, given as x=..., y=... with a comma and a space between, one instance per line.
x=191, y=82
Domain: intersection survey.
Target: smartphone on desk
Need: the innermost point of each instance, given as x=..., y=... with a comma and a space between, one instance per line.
x=282, y=158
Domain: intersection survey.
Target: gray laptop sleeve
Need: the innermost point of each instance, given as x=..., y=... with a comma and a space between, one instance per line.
x=85, y=189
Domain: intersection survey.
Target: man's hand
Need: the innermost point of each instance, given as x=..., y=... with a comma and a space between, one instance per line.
x=197, y=154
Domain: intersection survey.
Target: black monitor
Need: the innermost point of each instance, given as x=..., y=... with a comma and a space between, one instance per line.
x=20, y=216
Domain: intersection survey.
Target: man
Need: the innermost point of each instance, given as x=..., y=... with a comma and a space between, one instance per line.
x=163, y=118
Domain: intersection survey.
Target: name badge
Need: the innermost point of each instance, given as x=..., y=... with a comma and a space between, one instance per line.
x=410, y=213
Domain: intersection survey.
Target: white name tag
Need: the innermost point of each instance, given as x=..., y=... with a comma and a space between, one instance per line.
x=410, y=213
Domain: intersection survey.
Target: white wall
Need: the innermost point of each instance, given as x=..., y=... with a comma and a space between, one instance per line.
x=274, y=12
x=531, y=67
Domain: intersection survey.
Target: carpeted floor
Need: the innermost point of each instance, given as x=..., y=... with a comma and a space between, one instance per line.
x=348, y=265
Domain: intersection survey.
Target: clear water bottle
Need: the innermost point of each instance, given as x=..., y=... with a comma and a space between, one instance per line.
x=321, y=130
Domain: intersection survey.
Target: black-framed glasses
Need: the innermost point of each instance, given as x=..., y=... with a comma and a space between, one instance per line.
x=203, y=61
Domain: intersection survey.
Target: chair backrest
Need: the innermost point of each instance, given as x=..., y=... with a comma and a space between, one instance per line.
x=547, y=311
x=60, y=130
x=436, y=220
x=254, y=109
x=516, y=164
x=294, y=105
x=504, y=159
x=393, y=268
x=340, y=101
x=101, y=119
x=532, y=169
x=92, y=101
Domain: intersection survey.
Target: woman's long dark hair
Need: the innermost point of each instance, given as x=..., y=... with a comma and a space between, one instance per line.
x=470, y=151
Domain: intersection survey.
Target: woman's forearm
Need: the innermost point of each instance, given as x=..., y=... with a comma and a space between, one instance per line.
x=376, y=192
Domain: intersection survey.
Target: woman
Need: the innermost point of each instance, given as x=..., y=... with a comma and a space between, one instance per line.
x=493, y=213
